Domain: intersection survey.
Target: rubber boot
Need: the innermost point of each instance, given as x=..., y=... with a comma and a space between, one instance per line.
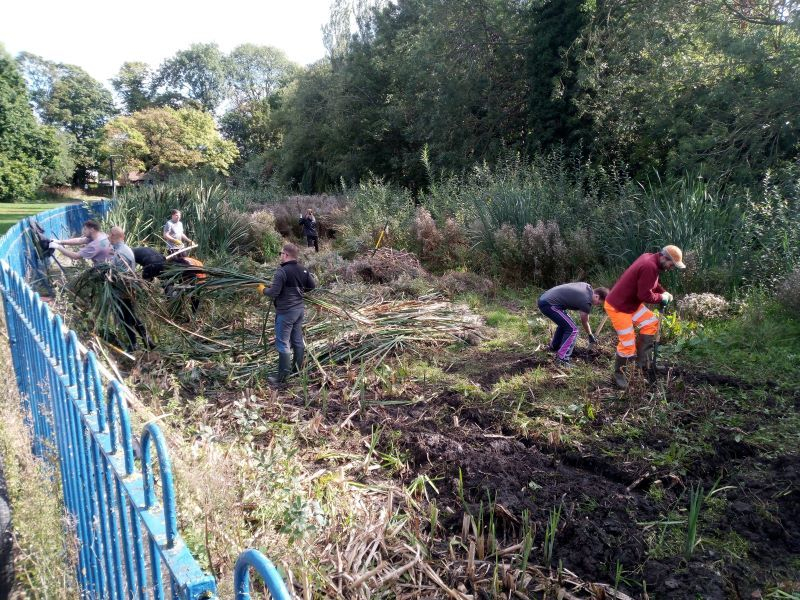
x=299, y=358
x=644, y=356
x=284, y=368
x=619, y=371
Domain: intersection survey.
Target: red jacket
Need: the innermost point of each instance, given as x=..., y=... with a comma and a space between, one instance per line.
x=638, y=284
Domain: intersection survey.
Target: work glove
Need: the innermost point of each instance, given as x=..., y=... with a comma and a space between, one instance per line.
x=666, y=298
x=592, y=339
x=54, y=245
x=260, y=289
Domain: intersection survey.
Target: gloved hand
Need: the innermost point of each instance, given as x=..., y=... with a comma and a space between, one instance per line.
x=592, y=339
x=666, y=298
x=260, y=289
x=55, y=245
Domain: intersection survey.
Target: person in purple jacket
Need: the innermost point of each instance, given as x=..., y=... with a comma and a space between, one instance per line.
x=555, y=303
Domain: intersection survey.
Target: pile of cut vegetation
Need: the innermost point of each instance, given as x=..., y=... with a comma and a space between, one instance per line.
x=384, y=265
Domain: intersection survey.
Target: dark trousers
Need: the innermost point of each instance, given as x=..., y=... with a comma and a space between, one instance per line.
x=566, y=331
x=313, y=240
x=289, y=329
x=131, y=323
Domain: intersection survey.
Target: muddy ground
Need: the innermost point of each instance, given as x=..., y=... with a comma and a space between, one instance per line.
x=615, y=503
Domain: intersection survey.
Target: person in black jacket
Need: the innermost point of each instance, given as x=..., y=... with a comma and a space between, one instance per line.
x=288, y=288
x=309, y=223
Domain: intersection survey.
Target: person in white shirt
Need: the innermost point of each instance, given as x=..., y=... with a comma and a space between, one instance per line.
x=173, y=232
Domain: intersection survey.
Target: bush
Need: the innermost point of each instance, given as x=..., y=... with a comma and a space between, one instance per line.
x=703, y=306
x=789, y=292
x=463, y=282
x=263, y=241
x=544, y=253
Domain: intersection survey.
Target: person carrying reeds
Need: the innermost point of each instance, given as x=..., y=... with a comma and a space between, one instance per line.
x=625, y=306
x=555, y=303
x=309, y=223
x=288, y=288
x=96, y=246
x=174, y=234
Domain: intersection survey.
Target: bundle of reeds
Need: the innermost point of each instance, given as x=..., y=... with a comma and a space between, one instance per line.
x=338, y=331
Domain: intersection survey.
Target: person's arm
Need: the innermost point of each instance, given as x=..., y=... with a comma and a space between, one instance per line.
x=648, y=282
x=274, y=290
x=70, y=253
x=587, y=327
x=74, y=241
x=186, y=239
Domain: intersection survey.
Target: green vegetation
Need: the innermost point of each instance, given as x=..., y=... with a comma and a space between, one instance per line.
x=11, y=213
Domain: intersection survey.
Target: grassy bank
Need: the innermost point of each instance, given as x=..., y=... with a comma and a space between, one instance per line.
x=11, y=213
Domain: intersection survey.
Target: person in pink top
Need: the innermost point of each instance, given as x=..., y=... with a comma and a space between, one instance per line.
x=96, y=246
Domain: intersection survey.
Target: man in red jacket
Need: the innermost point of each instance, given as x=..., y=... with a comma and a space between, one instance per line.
x=626, y=308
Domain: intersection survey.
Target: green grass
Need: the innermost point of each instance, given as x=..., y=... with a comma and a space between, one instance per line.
x=11, y=213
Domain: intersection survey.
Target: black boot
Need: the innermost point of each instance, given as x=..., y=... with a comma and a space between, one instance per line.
x=284, y=368
x=299, y=358
x=619, y=371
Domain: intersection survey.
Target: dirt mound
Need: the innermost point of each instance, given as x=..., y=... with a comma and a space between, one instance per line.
x=383, y=266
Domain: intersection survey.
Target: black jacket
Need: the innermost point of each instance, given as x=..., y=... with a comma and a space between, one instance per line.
x=290, y=283
x=309, y=226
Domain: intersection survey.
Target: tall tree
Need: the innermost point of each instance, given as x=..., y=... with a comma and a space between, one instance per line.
x=69, y=99
x=256, y=73
x=194, y=76
x=27, y=149
x=133, y=84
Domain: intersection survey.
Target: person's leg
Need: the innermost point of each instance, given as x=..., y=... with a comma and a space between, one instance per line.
x=129, y=322
x=547, y=310
x=626, y=346
x=298, y=344
x=646, y=321
x=283, y=331
x=567, y=343
x=316, y=243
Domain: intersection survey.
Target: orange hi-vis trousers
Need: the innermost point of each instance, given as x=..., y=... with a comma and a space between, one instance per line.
x=643, y=319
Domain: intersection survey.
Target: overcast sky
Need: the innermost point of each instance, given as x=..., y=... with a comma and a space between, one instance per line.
x=100, y=36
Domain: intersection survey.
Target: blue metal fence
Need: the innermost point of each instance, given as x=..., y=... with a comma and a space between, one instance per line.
x=130, y=547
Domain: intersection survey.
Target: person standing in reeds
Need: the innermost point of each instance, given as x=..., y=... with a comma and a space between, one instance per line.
x=626, y=308
x=555, y=303
x=288, y=288
x=124, y=260
x=174, y=234
x=309, y=223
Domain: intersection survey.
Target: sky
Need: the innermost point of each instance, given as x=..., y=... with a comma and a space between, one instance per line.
x=100, y=36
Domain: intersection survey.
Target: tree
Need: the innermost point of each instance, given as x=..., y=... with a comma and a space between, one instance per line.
x=194, y=76
x=133, y=84
x=256, y=73
x=27, y=149
x=69, y=99
x=168, y=140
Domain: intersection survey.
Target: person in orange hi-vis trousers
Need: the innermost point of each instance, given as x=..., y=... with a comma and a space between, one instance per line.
x=625, y=306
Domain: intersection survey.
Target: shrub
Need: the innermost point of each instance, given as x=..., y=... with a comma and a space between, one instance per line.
x=263, y=241
x=703, y=306
x=544, y=252
x=789, y=292
x=462, y=282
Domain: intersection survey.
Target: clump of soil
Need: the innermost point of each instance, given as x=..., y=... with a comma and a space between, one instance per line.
x=384, y=265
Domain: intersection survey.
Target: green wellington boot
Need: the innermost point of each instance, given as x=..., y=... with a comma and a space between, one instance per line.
x=619, y=371
x=284, y=368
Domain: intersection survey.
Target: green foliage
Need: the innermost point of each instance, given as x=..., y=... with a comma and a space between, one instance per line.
x=132, y=84
x=27, y=150
x=69, y=99
x=211, y=215
x=196, y=76
x=168, y=140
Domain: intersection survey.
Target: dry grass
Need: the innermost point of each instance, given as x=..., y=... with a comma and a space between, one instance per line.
x=45, y=557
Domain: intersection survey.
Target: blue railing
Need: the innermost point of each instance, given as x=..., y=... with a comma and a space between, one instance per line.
x=129, y=545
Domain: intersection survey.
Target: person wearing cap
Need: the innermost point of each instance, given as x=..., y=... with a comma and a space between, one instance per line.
x=287, y=291
x=555, y=303
x=625, y=306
